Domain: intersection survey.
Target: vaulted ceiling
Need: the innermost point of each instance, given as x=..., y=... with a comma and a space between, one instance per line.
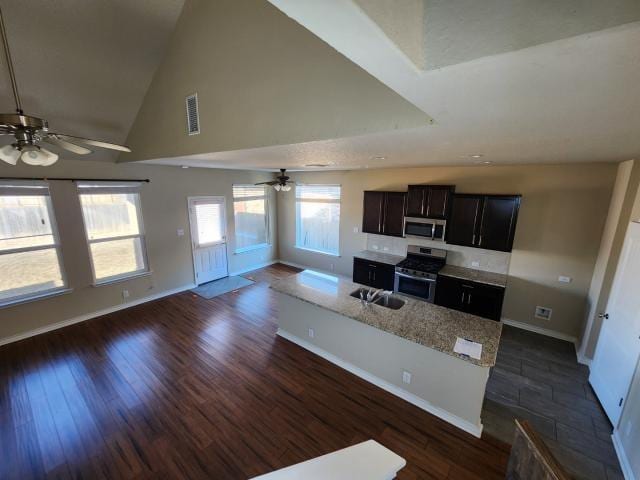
x=85, y=65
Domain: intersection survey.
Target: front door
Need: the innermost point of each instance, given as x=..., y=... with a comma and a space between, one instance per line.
x=618, y=347
x=209, y=238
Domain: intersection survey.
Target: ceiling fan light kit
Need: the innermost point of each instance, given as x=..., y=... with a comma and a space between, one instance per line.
x=29, y=131
x=281, y=183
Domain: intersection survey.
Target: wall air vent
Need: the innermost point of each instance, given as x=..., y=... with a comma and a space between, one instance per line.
x=193, y=120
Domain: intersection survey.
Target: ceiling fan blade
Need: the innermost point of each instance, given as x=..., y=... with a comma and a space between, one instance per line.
x=66, y=145
x=95, y=143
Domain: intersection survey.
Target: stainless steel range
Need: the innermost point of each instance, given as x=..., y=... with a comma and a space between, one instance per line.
x=416, y=275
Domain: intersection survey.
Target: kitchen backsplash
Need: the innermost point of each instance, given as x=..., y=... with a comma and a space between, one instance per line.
x=486, y=260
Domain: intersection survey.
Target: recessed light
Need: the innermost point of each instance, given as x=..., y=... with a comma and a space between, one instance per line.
x=380, y=157
x=476, y=155
x=184, y=166
x=317, y=165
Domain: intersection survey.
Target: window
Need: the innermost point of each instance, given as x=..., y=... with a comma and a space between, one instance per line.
x=30, y=259
x=113, y=224
x=250, y=214
x=318, y=218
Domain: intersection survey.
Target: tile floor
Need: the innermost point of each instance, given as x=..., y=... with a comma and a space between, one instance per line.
x=537, y=378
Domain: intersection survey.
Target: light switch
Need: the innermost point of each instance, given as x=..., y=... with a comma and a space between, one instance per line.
x=475, y=264
x=180, y=232
x=563, y=279
x=356, y=229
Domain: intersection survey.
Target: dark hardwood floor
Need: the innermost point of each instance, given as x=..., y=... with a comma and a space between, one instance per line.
x=185, y=387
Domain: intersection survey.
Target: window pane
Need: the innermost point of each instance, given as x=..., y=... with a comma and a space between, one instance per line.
x=318, y=192
x=251, y=225
x=209, y=223
x=24, y=221
x=110, y=215
x=26, y=273
x=117, y=257
x=318, y=226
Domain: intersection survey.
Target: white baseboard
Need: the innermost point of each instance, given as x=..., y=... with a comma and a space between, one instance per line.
x=89, y=316
x=542, y=331
x=253, y=267
x=475, y=430
x=625, y=466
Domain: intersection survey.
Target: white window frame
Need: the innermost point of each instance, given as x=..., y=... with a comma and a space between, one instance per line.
x=267, y=223
x=298, y=244
x=38, y=188
x=116, y=187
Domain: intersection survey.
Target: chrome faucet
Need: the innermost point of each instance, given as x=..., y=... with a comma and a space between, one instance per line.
x=370, y=295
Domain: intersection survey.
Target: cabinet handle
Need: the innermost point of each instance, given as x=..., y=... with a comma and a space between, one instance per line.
x=462, y=299
x=468, y=299
x=480, y=240
x=473, y=239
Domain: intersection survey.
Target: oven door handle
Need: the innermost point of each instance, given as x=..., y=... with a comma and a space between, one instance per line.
x=420, y=279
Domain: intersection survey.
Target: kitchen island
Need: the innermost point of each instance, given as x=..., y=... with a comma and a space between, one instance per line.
x=388, y=347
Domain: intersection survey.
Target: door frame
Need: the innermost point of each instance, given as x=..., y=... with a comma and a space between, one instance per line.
x=192, y=237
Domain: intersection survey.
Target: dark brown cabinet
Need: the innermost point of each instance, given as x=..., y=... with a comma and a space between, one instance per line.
x=383, y=213
x=470, y=297
x=429, y=201
x=373, y=274
x=483, y=221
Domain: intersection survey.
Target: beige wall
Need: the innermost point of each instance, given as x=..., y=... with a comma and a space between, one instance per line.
x=629, y=210
x=559, y=228
x=164, y=210
x=262, y=79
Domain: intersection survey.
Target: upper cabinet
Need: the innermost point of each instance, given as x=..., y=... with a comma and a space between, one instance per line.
x=429, y=201
x=483, y=221
x=383, y=213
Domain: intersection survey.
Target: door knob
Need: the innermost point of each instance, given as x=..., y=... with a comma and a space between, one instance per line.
x=603, y=315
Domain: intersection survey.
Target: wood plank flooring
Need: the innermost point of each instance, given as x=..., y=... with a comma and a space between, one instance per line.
x=184, y=387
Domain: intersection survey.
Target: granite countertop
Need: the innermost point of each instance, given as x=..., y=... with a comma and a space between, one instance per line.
x=379, y=257
x=479, y=276
x=417, y=321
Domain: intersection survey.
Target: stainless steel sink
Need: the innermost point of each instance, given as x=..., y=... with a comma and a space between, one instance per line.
x=390, y=301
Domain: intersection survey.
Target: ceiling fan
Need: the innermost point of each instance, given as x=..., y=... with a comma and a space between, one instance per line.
x=29, y=131
x=281, y=182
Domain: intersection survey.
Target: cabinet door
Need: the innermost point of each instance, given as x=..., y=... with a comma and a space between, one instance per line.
x=415, y=200
x=449, y=293
x=498, y=222
x=439, y=201
x=384, y=275
x=464, y=220
x=361, y=272
x=373, y=212
x=483, y=300
x=393, y=221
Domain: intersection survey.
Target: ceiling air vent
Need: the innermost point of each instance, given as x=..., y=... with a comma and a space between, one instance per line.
x=193, y=120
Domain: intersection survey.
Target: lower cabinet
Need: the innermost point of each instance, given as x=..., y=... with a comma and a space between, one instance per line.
x=373, y=274
x=471, y=297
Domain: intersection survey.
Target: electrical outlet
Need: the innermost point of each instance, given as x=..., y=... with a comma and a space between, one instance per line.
x=563, y=279
x=125, y=293
x=628, y=429
x=385, y=249
x=356, y=229
x=475, y=264
x=312, y=333
x=331, y=267
x=375, y=247
x=180, y=232
x=406, y=377
x=543, y=313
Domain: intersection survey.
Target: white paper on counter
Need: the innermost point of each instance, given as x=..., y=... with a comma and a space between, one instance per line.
x=469, y=348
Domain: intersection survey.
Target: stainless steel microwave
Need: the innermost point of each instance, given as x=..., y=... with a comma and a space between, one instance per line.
x=428, y=228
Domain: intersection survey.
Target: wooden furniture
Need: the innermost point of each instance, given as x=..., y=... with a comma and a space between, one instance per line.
x=368, y=460
x=429, y=201
x=383, y=213
x=373, y=274
x=471, y=297
x=483, y=221
x=530, y=458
